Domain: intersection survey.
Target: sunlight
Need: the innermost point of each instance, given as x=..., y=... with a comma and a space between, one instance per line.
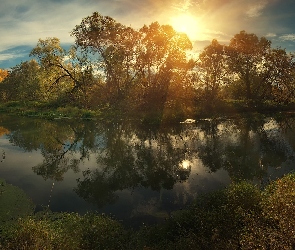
x=185, y=164
x=186, y=23
x=3, y=131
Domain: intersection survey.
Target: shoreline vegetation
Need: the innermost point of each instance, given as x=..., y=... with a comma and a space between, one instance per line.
x=225, y=109
x=241, y=216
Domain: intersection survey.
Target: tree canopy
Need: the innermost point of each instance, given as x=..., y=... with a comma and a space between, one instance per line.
x=149, y=70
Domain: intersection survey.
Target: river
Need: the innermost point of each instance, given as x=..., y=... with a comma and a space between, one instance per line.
x=136, y=173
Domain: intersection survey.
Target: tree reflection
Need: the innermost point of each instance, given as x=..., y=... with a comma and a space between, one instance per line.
x=68, y=151
x=63, y=145
x=246, y=148
x=55, y=165
x=129, y=155
x=127, y=161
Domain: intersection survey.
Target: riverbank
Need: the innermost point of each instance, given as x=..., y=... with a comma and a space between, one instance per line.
x=46, y=110
x=226, y=108
x=242, y=216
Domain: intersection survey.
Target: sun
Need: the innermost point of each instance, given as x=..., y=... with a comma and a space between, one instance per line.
x=186, y=23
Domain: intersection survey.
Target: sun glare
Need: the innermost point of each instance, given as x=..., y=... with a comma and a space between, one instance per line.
x=185, y=164
x=186, y=23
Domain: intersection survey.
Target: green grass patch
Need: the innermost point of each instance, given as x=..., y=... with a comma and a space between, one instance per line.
x=45, y=110
x=219, y=108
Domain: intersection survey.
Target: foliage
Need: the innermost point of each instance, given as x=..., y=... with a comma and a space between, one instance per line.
x=14, y=202
x=240, y=216
x=23, y=83
x=66, y=73
x=143, y=70
x=148, y=73
x=3, y=74
x=163, y=78
x=275, y=227
x=262, y=73
x=66, y=231
x=113, y=48
x=246, y=54
x=212, y=72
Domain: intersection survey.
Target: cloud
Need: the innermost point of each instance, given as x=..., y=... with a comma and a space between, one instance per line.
x=271, y=35
x=10, y=56
x=26, y=25
x=13, y=56
x=288, y=37
x=23, y=22
x=255, y=10
x=184, y=5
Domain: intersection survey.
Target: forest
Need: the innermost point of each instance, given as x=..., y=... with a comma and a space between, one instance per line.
x=149, y=72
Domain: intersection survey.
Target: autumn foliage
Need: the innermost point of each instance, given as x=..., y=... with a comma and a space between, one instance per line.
x=3, y=74
x=148, y=72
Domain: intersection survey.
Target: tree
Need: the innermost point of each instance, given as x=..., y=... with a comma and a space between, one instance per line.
x=212, y=70
x=113, y=47
x=138, y=66
x=3, y=74
x=277, y=76
x=246, y=54
x=163, y=66
x=22, y=83
x=67, y=73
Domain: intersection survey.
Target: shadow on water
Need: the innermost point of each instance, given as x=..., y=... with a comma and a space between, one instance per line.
x=141, y=174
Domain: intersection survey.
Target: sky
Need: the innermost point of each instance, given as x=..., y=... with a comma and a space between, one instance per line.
x=23, y=22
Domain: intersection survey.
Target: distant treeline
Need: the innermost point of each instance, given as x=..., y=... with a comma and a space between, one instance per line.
x=149, y=70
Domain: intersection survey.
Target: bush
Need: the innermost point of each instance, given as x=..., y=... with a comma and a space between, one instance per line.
x=66, y=231
x=274, y=228
x=240, y=216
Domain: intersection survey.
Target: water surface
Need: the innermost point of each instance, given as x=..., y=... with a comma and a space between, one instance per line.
x=139, y=174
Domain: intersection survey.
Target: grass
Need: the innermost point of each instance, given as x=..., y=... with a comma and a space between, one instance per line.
x=241, y=216
x=221, y=108
x=46, y=110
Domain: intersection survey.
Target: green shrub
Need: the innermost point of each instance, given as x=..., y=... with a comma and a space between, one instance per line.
x=240, y=216
x=12, y=104
x=66, y=231
x=274, y=228
x=88, y=114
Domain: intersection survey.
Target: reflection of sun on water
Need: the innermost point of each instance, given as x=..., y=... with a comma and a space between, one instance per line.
x=185, y=164
x=186, y=23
